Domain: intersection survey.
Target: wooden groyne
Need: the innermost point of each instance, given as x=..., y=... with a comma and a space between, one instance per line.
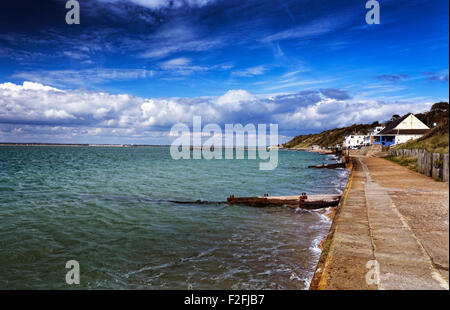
x=303, y=201
x=328, y=166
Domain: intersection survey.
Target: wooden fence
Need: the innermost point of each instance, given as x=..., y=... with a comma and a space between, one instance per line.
x=431, y=164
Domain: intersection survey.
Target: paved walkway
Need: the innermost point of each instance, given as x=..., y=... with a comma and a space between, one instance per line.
x=393, y=221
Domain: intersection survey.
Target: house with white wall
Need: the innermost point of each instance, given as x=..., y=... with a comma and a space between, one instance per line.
x=377, y=130
x=354, y=140
x=404, y=129
x=359, y=139
x=368, y=139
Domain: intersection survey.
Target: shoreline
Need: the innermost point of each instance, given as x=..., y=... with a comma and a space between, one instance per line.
x=324, y=245
x=323, y=152
x=379, y=220
x=80, y=144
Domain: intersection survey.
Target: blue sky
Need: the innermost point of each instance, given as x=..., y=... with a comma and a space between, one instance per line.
x=133, y=68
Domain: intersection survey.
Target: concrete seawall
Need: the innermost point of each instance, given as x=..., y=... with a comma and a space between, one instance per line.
x=390, y=231
x=320, y=269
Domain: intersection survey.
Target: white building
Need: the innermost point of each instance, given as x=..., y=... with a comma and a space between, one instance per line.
x=354, y=140
x=402, y=130
x=368, y=139
x=377, y=130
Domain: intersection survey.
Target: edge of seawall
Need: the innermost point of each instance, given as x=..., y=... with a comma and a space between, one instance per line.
x=320, y=272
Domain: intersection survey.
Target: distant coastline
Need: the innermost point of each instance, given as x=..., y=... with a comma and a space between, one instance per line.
x=79, y=144
x=309, y=149
x=116, y=145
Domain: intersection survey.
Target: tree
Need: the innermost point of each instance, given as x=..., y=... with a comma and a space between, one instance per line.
x=375, y=124
x=440, y=107
x=395, y=117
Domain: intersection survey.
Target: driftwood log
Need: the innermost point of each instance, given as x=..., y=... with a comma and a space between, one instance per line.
x=328, y=166
x=303, y=201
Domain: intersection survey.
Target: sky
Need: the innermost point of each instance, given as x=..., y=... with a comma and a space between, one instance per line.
x=133, y=68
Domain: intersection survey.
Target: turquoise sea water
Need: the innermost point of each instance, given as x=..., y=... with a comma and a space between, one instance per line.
x=110, y=209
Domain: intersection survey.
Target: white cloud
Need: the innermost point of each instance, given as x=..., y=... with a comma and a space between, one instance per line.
x=234, y=100
x=26, y=86
x=163, y=48
x=57, y=114
x=81, y=78
x=249, y=72
x=315, y=28
x=182, y=66
x=296, y=83
x=47, y=113
x=156, y=4
x=182, y=61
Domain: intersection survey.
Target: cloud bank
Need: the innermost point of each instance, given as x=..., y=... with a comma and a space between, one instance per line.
x=35, y=112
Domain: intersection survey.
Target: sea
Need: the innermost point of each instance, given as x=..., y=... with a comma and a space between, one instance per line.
x=131, y=218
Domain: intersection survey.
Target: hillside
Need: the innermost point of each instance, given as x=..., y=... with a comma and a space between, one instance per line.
x=328, y=138
x=436, y=140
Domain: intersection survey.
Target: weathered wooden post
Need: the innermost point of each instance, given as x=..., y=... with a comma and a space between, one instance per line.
x=425, y=162
x=435, y=167
x=445, y=168
x=428, y=163
x=419, y=161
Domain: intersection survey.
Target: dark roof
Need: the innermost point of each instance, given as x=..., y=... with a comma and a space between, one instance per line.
x=404, y=132
x=392, y=125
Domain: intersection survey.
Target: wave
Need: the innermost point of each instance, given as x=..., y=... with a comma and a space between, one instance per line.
x=171, y=264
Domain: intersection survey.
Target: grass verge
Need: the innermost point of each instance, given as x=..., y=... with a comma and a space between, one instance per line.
x=434, y=144
x=408, y=162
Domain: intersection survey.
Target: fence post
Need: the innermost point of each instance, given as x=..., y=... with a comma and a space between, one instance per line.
x=435, y=166
x=428, y=163
x=420, y=161
x=445, y=168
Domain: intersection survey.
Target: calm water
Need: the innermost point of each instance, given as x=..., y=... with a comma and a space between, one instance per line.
x=108, y=209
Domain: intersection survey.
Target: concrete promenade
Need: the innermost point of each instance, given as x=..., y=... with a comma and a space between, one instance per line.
x=393, y=223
